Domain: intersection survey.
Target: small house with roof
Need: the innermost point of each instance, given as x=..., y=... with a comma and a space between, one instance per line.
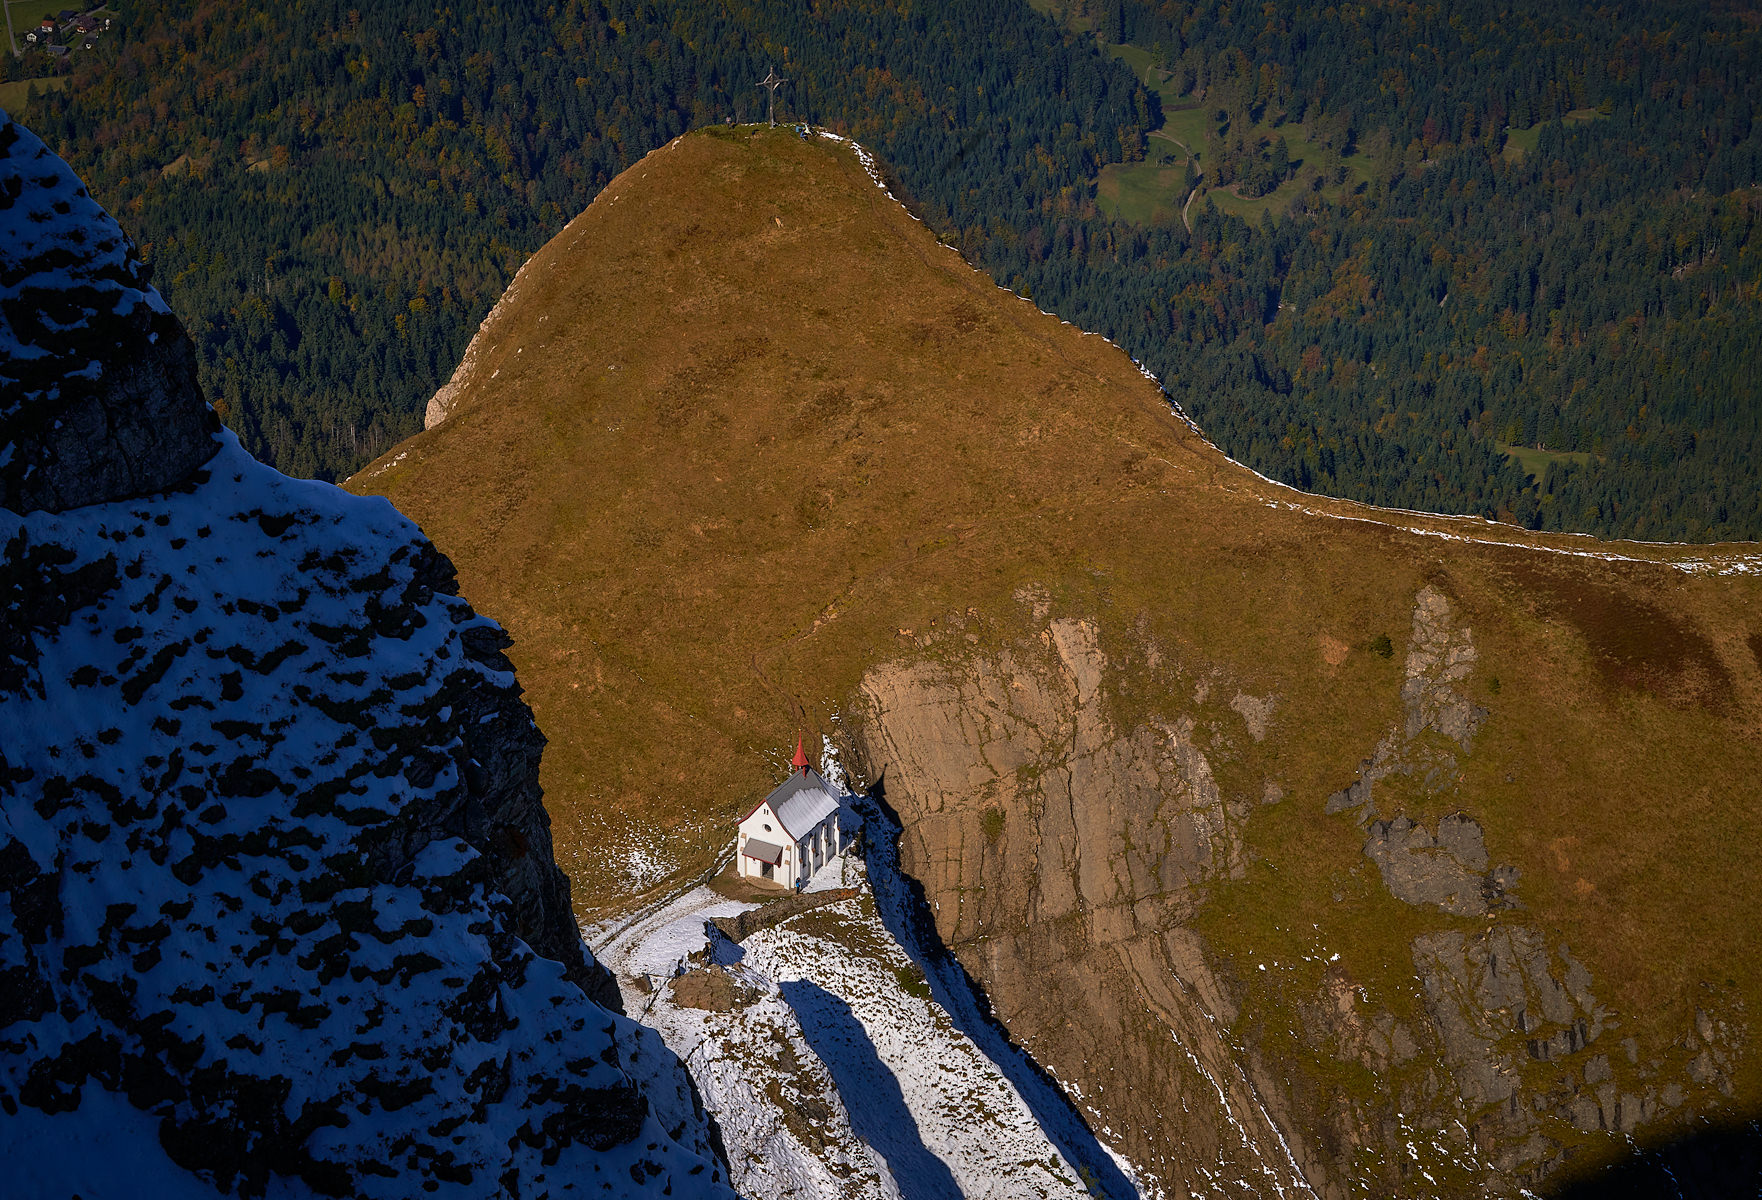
x=795, y=830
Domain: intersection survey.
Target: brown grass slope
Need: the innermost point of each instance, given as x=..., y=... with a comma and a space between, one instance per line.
x=748, y=434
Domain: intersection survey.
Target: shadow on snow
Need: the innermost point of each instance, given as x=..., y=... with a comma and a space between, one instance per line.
x=871, y=1093
x=900, y=902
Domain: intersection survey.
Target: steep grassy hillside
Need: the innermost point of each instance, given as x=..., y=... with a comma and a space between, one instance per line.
x=1178, y=752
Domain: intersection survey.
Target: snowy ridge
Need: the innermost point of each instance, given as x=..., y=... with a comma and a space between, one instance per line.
x=1724, y=564
x=70, y=271
x=262, y=782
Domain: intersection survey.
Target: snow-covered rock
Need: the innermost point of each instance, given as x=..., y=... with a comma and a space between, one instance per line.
x=97, y=379
x=278, y=910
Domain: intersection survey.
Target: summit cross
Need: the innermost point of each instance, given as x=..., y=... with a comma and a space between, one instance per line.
x=773, y=81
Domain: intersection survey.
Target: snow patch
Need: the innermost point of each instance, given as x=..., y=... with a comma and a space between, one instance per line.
x=838, y=1071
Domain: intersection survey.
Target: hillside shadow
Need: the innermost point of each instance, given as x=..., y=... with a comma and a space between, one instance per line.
x=871, y=1092
x=905, y=912
x=1707, y=1164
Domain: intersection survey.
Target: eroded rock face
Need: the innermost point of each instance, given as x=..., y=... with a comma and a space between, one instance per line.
x=1439, y=659
x=1061, y=856
x=1507, y=997
x=1122, y=822
x=1447, y=868
x=98, y=385
x=1484, y=988
x=278, y=909
x=1438, y=722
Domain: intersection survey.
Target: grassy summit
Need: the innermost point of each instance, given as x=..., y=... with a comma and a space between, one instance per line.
x=745, y=422
x=744, y=432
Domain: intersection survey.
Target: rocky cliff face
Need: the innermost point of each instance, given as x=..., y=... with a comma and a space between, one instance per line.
x=278, y=908
x=1064, y=854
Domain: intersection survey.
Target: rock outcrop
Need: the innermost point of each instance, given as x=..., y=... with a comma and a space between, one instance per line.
x=1439, y=658
x=97, y=380
x=278, y=908
x=1447, y=868
x=1484, y=988
x=440, y=405
x=1062, y=856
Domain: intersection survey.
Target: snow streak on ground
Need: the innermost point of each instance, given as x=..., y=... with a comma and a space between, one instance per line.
x=825, y=1058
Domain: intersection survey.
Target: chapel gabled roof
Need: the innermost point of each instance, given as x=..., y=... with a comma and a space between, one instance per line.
x=801, y=802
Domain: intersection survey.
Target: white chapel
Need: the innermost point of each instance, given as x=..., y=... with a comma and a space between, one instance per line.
x=795, y=830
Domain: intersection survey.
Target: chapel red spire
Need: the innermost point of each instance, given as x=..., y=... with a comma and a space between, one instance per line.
x=800, y=761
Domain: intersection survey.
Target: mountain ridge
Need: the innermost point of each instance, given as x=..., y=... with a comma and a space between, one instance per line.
x=751, y=444
x=1732, y=557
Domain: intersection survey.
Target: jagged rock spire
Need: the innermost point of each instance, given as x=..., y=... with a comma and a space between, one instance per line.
x=98, y=392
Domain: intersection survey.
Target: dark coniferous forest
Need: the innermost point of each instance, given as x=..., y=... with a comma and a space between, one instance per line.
x=332, y=197
x=1598, y=296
